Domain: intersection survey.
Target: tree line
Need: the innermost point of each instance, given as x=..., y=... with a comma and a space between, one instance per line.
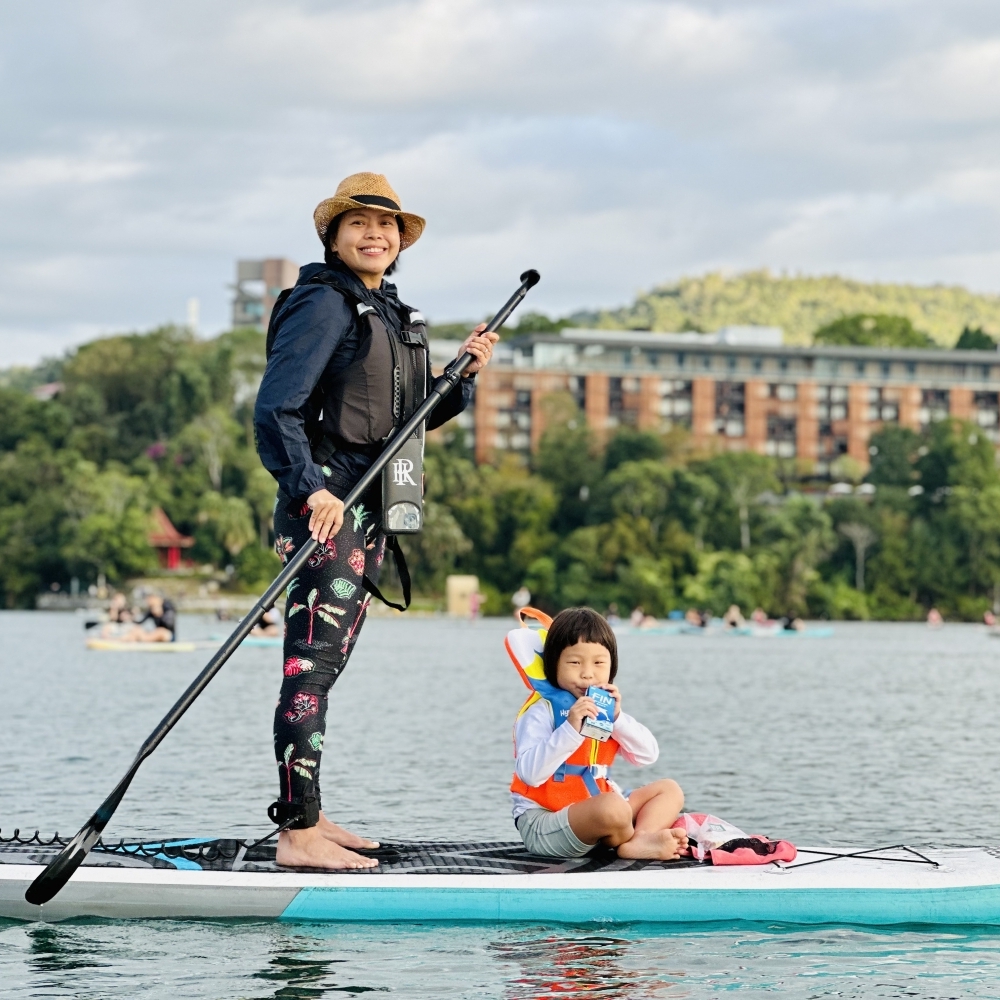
x=640, y=519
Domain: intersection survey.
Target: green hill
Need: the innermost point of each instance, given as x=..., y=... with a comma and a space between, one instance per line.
x=799, y=305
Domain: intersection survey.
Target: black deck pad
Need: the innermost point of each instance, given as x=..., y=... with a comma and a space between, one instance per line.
x=417, y=858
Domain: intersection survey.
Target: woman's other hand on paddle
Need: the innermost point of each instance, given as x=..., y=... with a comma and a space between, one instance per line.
x=480, y=345
x=582, y=708
x=612, y=690
x=327, y=515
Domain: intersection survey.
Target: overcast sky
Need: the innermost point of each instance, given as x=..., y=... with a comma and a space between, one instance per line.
x=612, y=145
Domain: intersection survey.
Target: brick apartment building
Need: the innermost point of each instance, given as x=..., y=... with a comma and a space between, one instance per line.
x=739, y=389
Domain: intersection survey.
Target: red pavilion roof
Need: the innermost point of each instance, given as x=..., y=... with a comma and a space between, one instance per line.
x=164, y=535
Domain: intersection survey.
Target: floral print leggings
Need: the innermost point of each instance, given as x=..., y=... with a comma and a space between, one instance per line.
x=326, y=607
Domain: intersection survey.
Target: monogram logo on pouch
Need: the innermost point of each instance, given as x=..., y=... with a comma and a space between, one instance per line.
x=401, y=470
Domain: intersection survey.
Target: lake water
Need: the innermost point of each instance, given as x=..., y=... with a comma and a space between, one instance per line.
x=881, y=734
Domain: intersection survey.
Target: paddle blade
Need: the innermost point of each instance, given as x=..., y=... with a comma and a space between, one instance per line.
x=58, y=872
x=531, y=277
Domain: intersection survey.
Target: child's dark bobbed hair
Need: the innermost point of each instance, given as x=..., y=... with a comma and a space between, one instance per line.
x=570, y=627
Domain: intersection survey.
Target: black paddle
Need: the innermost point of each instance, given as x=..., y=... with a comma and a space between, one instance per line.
x=57, y=873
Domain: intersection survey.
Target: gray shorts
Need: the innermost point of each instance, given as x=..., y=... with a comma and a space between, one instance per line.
x=549, y=834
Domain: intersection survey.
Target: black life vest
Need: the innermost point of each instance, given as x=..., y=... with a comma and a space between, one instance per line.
x=379, y=390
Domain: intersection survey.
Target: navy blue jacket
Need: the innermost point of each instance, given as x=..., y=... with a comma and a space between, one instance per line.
x=316, y=328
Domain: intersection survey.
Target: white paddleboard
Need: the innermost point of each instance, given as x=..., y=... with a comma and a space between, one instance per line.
x=501, y=883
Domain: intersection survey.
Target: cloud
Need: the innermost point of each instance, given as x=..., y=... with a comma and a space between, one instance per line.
x=613, y=144
x=66, y=170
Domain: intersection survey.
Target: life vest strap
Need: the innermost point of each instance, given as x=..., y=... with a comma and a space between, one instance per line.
x=528, y=612
x=588, y=772
x=392, y=545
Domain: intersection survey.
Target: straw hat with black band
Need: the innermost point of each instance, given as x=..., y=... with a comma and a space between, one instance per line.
x=367, y=190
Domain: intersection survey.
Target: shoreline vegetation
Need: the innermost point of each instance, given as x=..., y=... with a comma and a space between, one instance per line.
x=92, y=443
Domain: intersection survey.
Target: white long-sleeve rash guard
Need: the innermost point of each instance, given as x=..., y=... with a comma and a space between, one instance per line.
x=540, y=748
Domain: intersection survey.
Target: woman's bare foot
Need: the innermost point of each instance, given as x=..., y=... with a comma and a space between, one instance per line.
x=660, y=845
x=310, y=849
x=344, y=837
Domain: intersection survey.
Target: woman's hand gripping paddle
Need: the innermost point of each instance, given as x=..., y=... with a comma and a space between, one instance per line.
x=57, y=873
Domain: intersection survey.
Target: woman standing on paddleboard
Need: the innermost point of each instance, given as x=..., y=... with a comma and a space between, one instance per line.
x=347, y=364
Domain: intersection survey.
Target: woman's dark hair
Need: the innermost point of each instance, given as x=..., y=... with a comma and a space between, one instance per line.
x=331, y=234
x=570, y=627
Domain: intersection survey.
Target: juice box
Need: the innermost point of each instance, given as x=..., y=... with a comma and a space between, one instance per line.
x=601, y=727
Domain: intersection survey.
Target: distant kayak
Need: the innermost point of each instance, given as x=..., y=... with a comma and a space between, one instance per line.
x=118, y=646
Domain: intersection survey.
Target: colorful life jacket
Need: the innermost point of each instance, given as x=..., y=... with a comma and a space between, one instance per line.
x=585, y=772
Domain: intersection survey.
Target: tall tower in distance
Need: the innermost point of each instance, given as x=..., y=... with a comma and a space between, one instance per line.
x=258, y=284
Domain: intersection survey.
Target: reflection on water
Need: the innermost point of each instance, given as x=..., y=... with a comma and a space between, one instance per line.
x=575, y=966
x=298, y=975
x=190, y=960
x=53, y=952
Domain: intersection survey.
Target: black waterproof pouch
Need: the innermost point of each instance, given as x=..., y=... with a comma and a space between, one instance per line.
x=403, y=489
x=403, y=477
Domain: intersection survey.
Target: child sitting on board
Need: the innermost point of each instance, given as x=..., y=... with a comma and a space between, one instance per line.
x=563, y=801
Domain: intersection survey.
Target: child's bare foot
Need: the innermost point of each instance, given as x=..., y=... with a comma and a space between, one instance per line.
x=660, y=845
x=344, y=837
x=310, y=849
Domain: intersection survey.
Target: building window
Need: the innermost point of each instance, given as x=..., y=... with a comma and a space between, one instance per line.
x=831, y=402
x=986, y=413
x=680, y=360
x=933, y=406
x=783, y=364
x=730, y=408
x=831, y=412
x=675, y=402
x=578, y=390
x=780, y=436
x=706, y=362
x=623, y=401
x=786, y=392
x=758, y=364
x=513, y=422
x=911, y=368
x=883, y=405
x=831, y=447
x=731, y=362
x=466, y=422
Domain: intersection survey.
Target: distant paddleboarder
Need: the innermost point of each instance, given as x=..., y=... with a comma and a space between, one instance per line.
x=347, y=365
x=162, y=613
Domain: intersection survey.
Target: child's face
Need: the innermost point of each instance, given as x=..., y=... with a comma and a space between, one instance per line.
x=582, y=665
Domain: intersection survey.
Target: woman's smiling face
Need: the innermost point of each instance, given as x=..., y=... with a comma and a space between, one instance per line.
x=367, y=241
